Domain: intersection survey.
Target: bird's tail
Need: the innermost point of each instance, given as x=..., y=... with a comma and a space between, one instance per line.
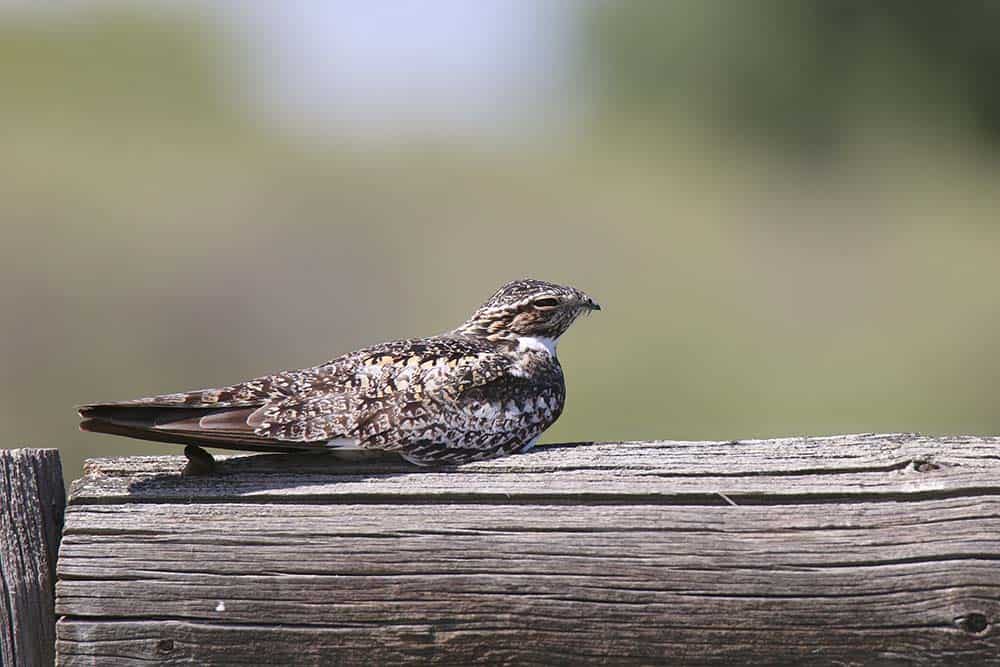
x=221, y=427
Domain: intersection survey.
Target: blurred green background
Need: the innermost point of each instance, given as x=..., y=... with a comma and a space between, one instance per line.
x=788, y=209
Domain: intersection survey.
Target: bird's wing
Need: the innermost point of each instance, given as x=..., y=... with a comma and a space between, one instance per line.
x=373, y=396
x=450, y=403
x=384, y=395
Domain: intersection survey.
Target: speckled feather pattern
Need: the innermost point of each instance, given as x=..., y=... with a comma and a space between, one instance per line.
x=484, y=390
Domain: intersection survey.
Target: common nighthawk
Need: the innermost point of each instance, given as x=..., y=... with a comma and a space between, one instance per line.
x=486, y=389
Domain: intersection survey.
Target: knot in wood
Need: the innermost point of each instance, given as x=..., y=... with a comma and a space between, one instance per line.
x=974, y=623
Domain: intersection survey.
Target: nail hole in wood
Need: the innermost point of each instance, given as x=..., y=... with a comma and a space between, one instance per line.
x=974, y=623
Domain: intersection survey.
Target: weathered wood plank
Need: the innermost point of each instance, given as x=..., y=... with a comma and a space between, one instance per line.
x=168, y=642
x=459, y=548
x=32, y=501
x=747, y=471
x=189, y=642
x=877, y=549
x=834, y=453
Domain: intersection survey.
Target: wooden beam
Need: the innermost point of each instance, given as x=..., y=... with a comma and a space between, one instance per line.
x=854, y=549
x=32, y=500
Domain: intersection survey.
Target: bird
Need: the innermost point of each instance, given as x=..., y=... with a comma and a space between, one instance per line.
x=486, y=389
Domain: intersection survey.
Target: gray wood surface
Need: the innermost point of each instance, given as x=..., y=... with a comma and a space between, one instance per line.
x=870, y=549
x=32, y=500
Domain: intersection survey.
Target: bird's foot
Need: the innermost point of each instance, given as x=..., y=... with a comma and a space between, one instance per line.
x=199, y=462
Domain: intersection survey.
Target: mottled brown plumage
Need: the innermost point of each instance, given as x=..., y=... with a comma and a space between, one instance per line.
x=486, y=389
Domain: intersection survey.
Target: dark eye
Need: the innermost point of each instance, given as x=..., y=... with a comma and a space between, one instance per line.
x=546, y=302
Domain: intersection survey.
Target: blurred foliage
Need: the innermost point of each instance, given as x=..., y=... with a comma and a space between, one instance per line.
x=157, y=238
x=802, y=72
x=109, y=69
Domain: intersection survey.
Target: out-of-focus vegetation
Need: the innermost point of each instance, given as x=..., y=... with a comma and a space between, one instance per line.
x=157, y=236
x=803, y=74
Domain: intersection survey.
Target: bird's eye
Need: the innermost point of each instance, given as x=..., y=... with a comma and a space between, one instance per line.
x=546, y=302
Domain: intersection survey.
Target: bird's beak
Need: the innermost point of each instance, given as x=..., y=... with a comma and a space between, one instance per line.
x=591, y=304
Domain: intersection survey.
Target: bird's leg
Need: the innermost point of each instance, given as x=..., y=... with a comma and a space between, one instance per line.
x=199, y=462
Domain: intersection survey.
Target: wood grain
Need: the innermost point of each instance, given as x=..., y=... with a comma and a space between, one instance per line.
x=847, y=550
x=32, y=500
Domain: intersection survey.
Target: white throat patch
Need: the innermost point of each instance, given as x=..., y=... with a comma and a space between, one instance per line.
x=537, y=344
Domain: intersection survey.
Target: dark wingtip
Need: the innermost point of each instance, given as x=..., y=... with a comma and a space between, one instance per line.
x=93, y=425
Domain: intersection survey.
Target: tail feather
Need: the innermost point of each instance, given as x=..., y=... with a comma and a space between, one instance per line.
x=220, y=427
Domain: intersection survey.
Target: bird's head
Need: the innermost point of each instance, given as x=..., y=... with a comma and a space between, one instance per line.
x=528, y=309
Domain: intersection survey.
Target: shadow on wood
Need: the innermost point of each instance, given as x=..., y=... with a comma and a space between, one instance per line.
x=851, y=549
x=32, y=500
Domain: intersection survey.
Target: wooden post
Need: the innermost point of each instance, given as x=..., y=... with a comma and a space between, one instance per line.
x=871, y=549
x=32, y=500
